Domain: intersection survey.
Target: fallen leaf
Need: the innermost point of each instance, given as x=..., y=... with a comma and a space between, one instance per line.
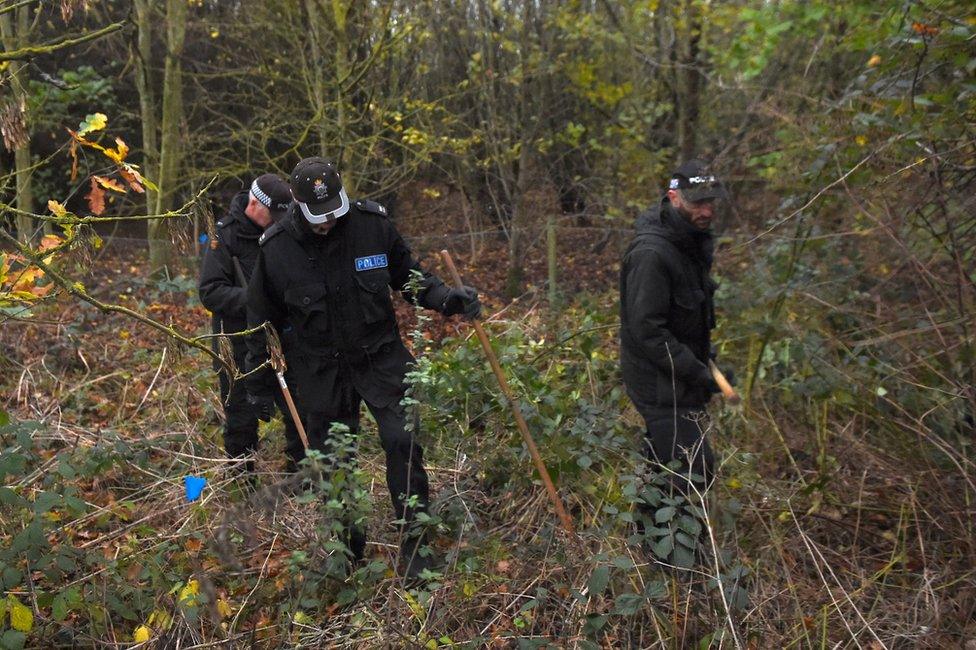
x=21, y=617
x=142, y=634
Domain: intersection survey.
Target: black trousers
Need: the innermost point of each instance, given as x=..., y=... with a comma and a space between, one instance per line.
x=241, y=421
x=679, y=436
x=405, y=473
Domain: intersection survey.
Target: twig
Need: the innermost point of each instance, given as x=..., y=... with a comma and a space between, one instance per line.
x=153, y=382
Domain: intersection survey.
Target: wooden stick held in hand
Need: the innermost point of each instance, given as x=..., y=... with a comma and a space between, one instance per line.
x=727, y=391
x=523, y=428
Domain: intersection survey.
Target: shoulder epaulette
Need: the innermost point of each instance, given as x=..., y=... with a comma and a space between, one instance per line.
x=372, y=206
x=269, y=233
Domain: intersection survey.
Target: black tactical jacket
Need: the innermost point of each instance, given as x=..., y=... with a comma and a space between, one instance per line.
x=666, y=312
x=220, y=290
x=328, y=296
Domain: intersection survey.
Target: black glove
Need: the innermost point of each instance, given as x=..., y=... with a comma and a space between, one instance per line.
x=263, y=406
x=729, y=375
x=462, y=301
x=706, y=380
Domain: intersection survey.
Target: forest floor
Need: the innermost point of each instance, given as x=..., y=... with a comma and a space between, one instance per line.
x=818, y=537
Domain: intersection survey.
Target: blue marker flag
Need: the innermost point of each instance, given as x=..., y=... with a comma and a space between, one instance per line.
x=194, y=486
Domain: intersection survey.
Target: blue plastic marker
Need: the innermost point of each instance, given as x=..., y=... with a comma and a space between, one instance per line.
x=194, y=486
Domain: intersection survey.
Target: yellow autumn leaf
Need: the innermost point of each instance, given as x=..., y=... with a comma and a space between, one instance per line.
x=874, y=61
x=415, y=607
x=21, y=617
x=93, y=122
x=861, y=140
x=224, y=608
x=160, y=619
x=56, y=208
x=142, y=634
x=190, y=591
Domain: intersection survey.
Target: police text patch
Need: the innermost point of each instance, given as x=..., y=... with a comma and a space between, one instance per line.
x=371, y=262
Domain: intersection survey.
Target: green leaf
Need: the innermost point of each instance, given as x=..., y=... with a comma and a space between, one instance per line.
x=663, y=547
x=599, y=579
x=13, y=640
x=628, y=604
x=59, y=608
x=682, y=557
x=655, y=590
x=685, y=540
x=623, y=562
x=594, y=623
x=10, y=498
x=664, y=514
x=690, y=525
x=4, y=418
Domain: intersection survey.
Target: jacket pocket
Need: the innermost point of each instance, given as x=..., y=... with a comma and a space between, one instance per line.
x=307, y=308
x=689, y=299
x=374, y=295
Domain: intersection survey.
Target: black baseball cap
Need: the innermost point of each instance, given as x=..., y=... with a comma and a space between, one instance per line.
x=272, y=192
x=317, y=187
x=697, y=182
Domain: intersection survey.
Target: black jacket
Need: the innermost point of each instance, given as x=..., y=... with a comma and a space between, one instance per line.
x=220, y=290
x=328, y=296
x=666, y=312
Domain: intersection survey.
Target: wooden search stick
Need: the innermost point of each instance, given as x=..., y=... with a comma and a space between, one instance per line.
x=727, y=391
x=292, y=410
x=523, y=428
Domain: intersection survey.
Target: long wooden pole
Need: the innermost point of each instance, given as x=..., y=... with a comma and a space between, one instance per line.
x=523, y=428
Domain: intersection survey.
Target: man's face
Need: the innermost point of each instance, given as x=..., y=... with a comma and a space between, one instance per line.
x=699, y=213
x=322, y=228
x=258, y=212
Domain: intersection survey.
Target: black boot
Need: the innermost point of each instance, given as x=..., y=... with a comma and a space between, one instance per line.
x=354, y=537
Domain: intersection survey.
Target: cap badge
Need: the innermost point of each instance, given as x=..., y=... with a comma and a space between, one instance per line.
x=319, y=189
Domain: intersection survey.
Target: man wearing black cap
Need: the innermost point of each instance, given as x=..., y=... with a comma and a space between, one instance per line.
x=666, y=316
x=323, y=280
x=227, y=264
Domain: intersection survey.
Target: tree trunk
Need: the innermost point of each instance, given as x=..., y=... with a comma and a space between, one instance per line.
x=516, y=254
x=147, y=105
x=14, y=37
x=160, y=241
x=688, y=76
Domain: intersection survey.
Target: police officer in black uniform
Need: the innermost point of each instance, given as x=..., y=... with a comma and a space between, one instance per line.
x=227, y=264
x=666, y=317
x=323, y=280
